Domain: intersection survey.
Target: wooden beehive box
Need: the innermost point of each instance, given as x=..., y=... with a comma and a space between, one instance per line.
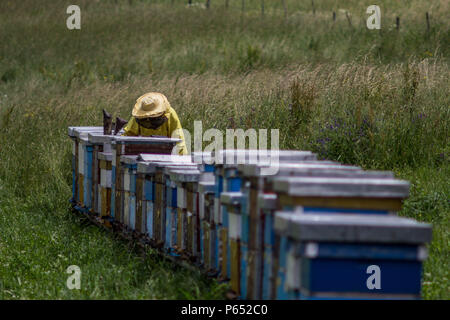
x=332, y=256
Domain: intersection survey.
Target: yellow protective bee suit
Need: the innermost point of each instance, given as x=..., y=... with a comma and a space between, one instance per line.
x=171, y=128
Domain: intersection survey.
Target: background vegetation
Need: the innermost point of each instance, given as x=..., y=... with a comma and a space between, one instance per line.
x=379, y=99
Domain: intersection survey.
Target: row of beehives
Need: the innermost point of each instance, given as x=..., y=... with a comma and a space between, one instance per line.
x=314, y=230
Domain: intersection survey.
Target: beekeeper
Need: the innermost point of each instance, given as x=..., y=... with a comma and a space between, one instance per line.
x=152, y=115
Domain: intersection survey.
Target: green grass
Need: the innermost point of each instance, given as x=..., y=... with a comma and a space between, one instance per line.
x=375, y=99
x=40, y=240
x=429, y=202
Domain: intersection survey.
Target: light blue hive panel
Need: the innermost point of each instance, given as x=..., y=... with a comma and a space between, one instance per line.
x=351, y=256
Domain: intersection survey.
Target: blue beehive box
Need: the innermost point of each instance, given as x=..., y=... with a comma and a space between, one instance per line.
x=259, y=186
x=80, y=164
x=104, y=184
x=357, y=192
x=100, y=144
x=85, y=160
x=130, y=145
x=201, y=191
x=265, y=205
x=254, y=178
x=91, y=143
x=232, y=202
x=175, y=200
x=228, y=179
x=205, y=211
x=335, y=256
x=148, y=196
x=171, y=215
x=186, y=180
x=129, y=166
x=151, y=166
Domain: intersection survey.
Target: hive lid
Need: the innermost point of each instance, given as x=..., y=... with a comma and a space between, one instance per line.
x=145, y=140
x=342, y=172
x=290, y=168
x=231, y=198
x=182, y=175
x=351, y=228
x=166, y=164
x=179, y=166
x=105, y=156
x=164, y=157
x=342, y=187
x=84, y=134
x=129, y=159
x=99, y=138
x=153, y=166
x=234, y=157
x=74, y=131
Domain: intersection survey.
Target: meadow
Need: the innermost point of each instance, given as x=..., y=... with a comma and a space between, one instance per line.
x=374, y=98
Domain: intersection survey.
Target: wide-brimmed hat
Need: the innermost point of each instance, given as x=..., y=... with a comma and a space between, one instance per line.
x=150, y=105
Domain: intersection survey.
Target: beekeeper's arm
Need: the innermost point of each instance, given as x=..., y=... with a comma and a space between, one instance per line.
x=132, y=128
x=177, y=132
